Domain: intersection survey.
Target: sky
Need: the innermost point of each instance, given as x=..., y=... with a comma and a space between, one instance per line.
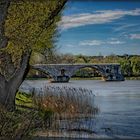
x=91, y=27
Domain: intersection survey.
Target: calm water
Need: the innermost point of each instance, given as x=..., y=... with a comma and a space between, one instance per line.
x=119, y=104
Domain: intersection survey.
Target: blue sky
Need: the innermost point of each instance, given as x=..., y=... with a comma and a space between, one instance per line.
x=100, y=27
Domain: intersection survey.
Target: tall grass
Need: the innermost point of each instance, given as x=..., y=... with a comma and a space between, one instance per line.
x=70, y=109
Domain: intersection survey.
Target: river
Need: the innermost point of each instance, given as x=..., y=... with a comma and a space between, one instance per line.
x=119, y=104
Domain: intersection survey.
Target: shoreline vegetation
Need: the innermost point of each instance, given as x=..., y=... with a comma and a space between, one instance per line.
x=54, y=110
x=86, y=78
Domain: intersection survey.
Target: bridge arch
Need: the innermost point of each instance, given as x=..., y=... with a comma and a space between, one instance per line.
x=47, y=70
x=97, y=69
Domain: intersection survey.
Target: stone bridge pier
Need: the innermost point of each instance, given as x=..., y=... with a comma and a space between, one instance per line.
x=63, y=72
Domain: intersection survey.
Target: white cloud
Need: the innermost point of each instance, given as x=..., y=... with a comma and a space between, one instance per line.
x=91, y=43
x=111, y=41
x=126, y=26
x=115, y=42
x=99, y=17
x=134, y=36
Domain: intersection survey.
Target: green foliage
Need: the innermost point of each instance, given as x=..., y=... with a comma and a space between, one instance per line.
x=24, y=27
x=135, y=64
x=126, y=67
x=12, y=51
x=131, y=66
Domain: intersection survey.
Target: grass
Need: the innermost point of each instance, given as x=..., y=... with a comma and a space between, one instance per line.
x=24, y=100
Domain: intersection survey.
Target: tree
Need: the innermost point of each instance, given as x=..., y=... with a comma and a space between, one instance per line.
x=126, y=66
x=24, y=25
x=135, y=64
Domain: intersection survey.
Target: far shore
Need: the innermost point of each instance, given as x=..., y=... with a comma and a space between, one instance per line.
x=82, y=78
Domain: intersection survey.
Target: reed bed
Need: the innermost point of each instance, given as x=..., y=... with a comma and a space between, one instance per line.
x=67, y=108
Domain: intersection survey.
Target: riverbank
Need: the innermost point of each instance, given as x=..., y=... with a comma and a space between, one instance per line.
x=100, y=78
x=85, y=78
x=132, y=78
x=72, y=78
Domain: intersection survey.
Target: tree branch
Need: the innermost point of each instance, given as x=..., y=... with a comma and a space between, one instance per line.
x=4, y=5
x=53, y=14
x=50, y=20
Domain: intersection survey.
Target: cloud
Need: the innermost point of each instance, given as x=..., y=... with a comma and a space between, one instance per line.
x=111, y=41
x=114, y=41
x=134, y=36
x=117, y=42
x=126, y=26
x=98, y=17
x=91, y=43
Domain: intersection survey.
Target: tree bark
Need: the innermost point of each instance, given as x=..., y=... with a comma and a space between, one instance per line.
x=4, y=5
x=9, y=88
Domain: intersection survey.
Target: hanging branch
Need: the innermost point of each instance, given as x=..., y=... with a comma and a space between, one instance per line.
x=50, y=20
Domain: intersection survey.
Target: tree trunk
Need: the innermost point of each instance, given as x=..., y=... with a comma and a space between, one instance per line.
x=9, y=88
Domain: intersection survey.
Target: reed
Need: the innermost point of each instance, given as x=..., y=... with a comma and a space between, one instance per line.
x=70, y=109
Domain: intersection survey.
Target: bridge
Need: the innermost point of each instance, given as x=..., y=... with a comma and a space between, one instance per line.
x=63, y=72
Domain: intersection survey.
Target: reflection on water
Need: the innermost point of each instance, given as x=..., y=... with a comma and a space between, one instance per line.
x=119, y=104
